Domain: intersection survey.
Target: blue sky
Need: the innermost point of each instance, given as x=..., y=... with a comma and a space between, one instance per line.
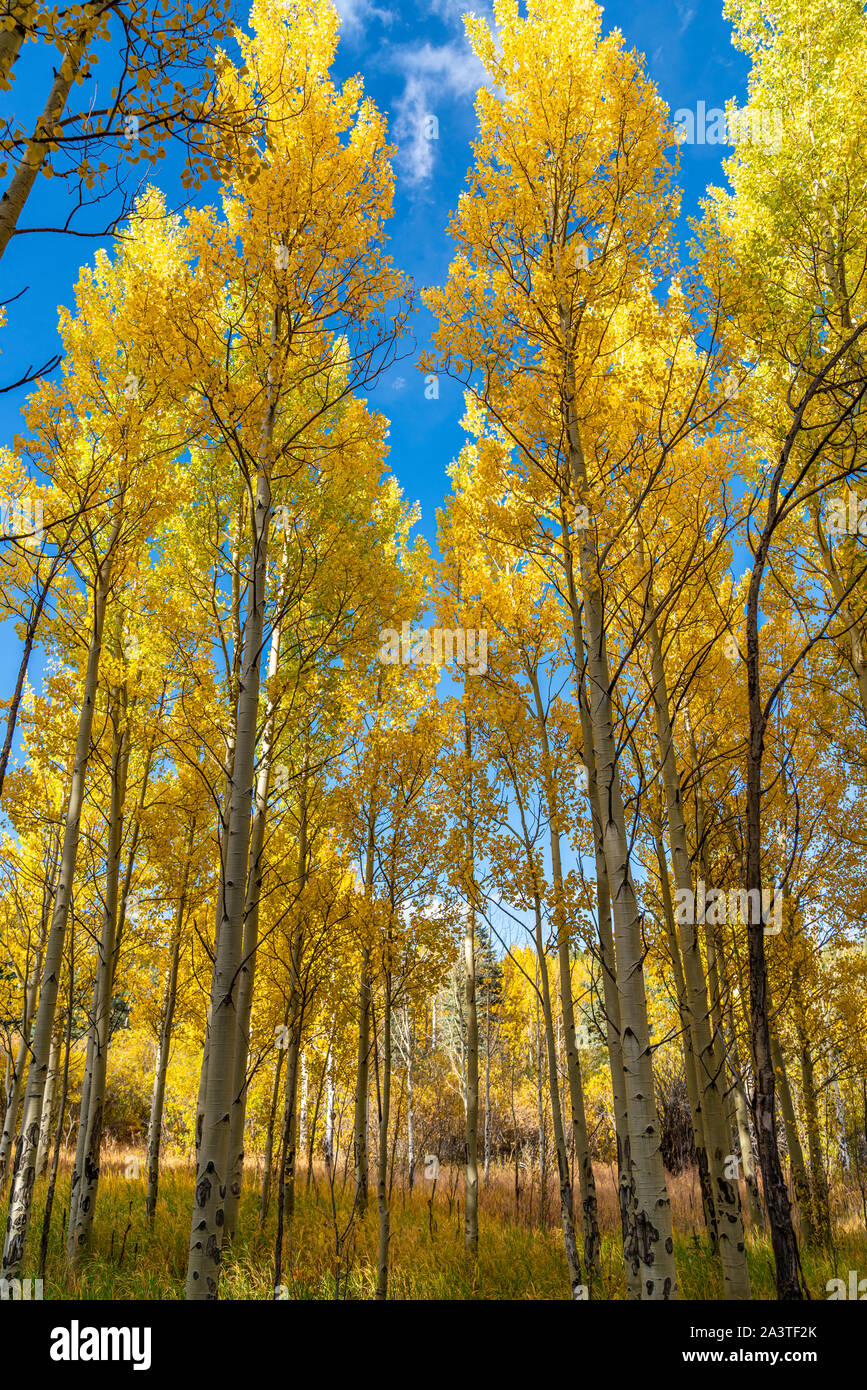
x=416, y=63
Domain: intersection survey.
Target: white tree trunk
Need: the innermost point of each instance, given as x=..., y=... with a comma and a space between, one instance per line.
x=608, y=969
x=22, y=1192
x=212, y=1168
x=471, y=1212
x=161, y=1068
x=650, y=1249
x=45, y=1128
x=706, y=1046
x=13, y=1089
x=587, y=1181
x=91, y=1120
x=247, y=978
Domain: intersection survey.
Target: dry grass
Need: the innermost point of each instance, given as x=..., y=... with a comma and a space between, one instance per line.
x=519, y=1257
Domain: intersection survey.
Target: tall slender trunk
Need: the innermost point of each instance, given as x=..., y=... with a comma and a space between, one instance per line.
x=212, y=1169
x=587, y=1181
x=99, y=989
x=247, y=977
x=309, y=1139
x=101, y=1025
x=15, y=1074
x=328, y=1147
x=268, y=1161
x=22, y=1192
x=233, y=682
x=286, y=1185
x=471, y=1136
x=741, y=1108
x=362, y=1071
x=81, y=1132
x=297, y=1002
x=161, y=1067
x=820, y=1201
x=61, y=1113
x=800, y=1181
x=203, y=1085
x=302, y=1106
x=487, y=1161
x=573, y=1261
x=45, y=1128
x=13, y=1093
x=840, y=1116
x=384, y=1092
x=410, y=1123
x=543, y=995
x=650, y=1248
x=135, y=835
x=709, y=1061
x=362, y=1082
x=783, y=1240
x=689, y=1063
x=610, y=995
x=540, y=1120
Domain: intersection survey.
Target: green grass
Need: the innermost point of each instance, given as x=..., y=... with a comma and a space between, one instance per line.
x=131, y=1258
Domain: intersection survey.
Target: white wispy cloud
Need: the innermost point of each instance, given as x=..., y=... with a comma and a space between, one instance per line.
x=450, y=67
x=433, y=73
x=453, y=11
x=415, y=149
x=355, y=15
x=686, y=14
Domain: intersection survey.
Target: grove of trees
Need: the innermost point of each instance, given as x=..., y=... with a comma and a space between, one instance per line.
x=509, y=880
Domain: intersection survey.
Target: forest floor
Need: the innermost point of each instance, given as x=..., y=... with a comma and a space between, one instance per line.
x=518, y=1258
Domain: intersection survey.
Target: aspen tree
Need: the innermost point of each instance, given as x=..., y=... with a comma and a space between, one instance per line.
x=529, y=161
x=16, y=1078
x=573, y=1261
x=164, y=1041
x=500, y=714
x=706, y=1048
x=799, y=417
x=322, y=307
x=45, y=1126
x=99, y=439
x=90, y=1122
x=471, y=1217
x=573, y=1064
x=251, y=931
x=383, y=1086
x=22, y=1191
